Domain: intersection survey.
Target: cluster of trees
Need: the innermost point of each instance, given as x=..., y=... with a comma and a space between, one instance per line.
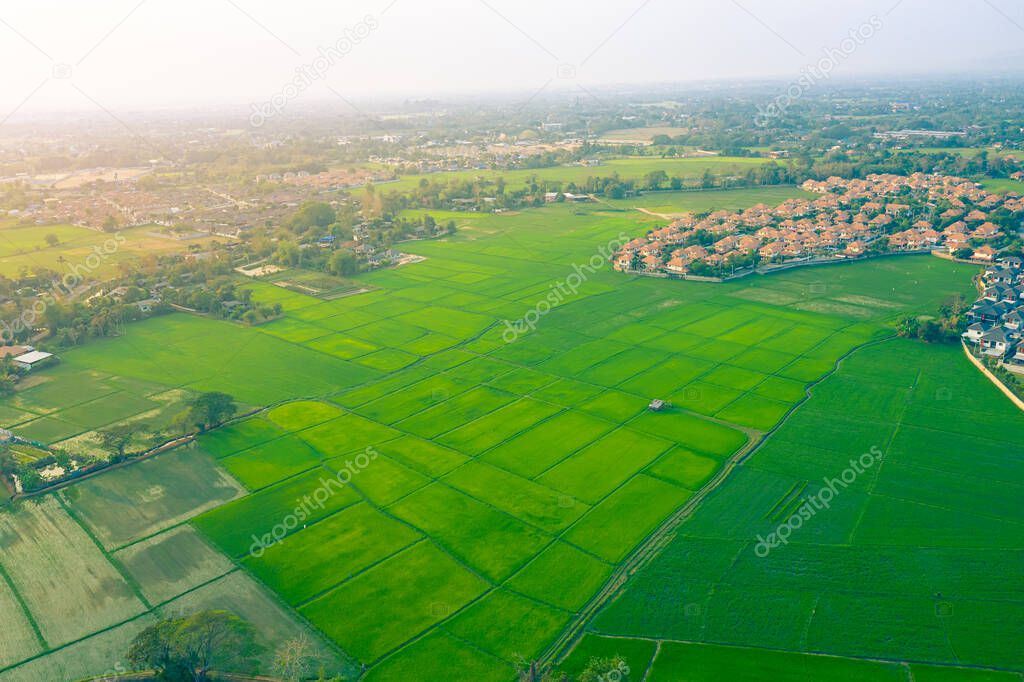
x=486, y=194
x=9, y=375
x=598, y=669
x=202, y=412
x=221, y=296
x=298, y=246
x=189, y=648
x=72, y=323
x=736, y=262
x=946, y=328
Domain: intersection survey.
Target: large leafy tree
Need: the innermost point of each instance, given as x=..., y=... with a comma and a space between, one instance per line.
x=188, y=648
x=117, y=438
x=210, y=409
x=312, y=214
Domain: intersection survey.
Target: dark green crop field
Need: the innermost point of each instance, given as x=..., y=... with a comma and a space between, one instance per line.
x=917, y=557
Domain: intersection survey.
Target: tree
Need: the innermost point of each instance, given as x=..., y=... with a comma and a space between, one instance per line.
x=52, y=239
x=963, y=254
x=294, y=659
x=209, y=409
x=117, y=438
x=110, y=224
x=312, y=214
x=288, y=253
x=343, y=264
x=907, y=326
x=929, y=331
x=187, y=648
x=656, y=179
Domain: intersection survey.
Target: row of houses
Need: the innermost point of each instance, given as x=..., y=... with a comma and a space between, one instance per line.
x=851, y=217
x=997, y=318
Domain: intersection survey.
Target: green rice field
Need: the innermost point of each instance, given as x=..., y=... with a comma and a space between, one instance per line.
x=912, y=559
x=426, y=494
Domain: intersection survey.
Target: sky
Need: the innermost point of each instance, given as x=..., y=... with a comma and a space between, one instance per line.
x=132, y=55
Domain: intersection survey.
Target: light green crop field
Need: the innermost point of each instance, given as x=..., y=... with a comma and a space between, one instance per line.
x=79, y=249
x=437, y=490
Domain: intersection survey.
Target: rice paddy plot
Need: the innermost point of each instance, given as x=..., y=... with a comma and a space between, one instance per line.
x=455, y=412
x=172, y=563
x=562, y=575
x=271, y=462
x=545, y=445
x=508, y=625
x=495, y=428
x=596, y=470
x=394, y=601
x=435, y=656
x=424, y=456
x=265, y=517
x=347, y=434
x=492, y=542
x=302, y=414
x=18, y=639
x=536, y=504
x=383, y=480
x=618, y=523
x=678, y=662
x=330, y=552
x=635, y=653
x=133, y=502
x=61, y=575
x=97, y=654
x=227, y=440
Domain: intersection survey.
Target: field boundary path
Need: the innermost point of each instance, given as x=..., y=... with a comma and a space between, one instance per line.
x=658, y=539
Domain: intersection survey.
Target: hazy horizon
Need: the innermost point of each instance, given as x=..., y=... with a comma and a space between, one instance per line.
x=117, y=56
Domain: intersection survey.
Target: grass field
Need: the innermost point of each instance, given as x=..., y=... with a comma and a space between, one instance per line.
x=1003, y=185
x=26, y=248
x=641, y=134
x=456, y=494
x=629, y=168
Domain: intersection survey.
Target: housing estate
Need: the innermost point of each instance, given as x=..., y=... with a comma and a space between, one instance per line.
x=852, y=218
x=997, y=318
